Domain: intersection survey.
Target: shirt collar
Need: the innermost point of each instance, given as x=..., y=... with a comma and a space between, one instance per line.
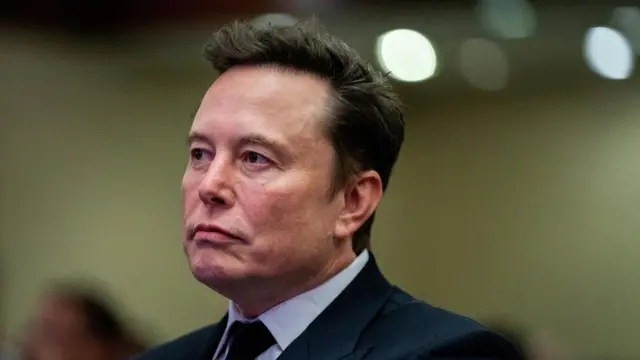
x=287, y=320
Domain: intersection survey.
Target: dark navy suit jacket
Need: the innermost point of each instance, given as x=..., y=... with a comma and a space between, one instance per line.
x=369, y=320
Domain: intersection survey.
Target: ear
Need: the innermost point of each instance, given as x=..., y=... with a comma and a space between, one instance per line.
x=361, y=197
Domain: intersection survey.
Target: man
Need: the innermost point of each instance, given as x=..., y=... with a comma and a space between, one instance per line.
x=290, y=152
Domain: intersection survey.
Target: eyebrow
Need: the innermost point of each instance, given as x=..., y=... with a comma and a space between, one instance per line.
x=197, y=137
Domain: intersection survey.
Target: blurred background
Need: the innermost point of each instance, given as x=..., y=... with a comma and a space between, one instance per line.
x=516, y=198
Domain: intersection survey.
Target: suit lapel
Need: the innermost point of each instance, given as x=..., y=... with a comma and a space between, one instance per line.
x=211, y=345
x=335, y=332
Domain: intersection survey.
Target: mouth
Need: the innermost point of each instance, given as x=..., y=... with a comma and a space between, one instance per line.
x=211, y=236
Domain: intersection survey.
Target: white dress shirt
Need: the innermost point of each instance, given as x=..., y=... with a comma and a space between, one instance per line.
x=287, y=320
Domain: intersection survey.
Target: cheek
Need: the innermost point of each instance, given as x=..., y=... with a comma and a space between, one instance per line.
x=281, y=216
x=190, y=197
x=270, y=210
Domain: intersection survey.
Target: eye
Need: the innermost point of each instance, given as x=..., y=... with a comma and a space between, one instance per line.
x=197, y=154
x=199, y=157
x=253, y=157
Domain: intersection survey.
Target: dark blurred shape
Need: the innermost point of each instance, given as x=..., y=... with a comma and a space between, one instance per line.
x=100, y=17
x=77, y=322
x=92, y=17
x=110, y=17
x=78, y=17
x=86, y=18
x=429, y=3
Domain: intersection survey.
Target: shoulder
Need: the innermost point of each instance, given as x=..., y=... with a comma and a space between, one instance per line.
x=478, y=344
x=402, y=309
x=184, y=347
x=417, y=330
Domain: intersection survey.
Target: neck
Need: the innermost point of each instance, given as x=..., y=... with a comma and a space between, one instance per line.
x=255, y=304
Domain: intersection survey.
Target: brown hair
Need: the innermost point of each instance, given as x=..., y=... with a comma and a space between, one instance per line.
x=102, y=321
x=366, y=124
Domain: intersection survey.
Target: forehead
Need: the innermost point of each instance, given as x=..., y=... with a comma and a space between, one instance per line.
x=270, y=100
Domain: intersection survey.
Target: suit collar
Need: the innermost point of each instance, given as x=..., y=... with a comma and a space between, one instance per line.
x=213, y=339
x=289, y=319
x=335, y=333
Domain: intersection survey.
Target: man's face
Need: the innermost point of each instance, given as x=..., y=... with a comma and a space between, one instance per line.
x=258, y=179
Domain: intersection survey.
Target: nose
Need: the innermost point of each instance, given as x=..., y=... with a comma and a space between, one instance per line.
x=216, y=186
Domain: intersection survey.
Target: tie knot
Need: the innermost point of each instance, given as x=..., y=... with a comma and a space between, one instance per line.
x=249, y=340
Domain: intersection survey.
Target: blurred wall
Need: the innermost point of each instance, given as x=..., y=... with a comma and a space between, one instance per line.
x=522, y=205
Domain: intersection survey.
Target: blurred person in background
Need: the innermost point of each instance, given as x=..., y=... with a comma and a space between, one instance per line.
x=73, y=323
x=290, y=152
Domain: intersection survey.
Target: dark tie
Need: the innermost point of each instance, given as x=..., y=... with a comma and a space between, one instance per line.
x=248, y=340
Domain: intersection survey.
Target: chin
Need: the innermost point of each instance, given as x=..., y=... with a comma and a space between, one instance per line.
x=215, y=270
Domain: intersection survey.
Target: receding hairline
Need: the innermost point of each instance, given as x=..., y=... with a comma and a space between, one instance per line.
x=330, y=96
x=276, y=67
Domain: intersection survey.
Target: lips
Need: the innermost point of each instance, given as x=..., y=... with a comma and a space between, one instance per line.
x=213, y=235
